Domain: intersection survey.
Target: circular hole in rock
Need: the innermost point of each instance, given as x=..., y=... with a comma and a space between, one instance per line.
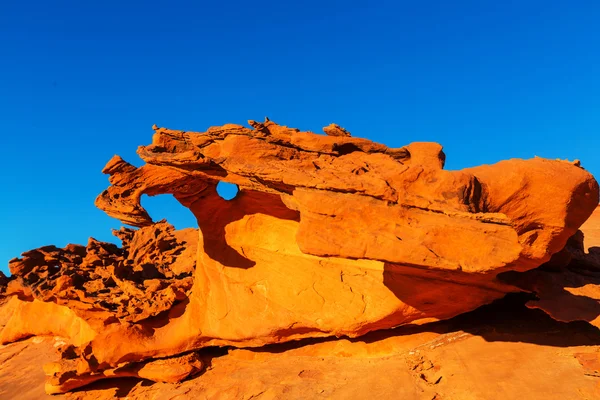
x=227, y=190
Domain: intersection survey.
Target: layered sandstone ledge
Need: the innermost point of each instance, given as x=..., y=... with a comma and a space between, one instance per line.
x=329, y=236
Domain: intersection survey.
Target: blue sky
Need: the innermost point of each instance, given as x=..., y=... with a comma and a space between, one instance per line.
x=81, y=81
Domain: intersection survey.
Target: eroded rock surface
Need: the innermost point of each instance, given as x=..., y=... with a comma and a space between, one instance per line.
x=78, y=290
x=329, y=236
x=501, y=351
x=568, y=286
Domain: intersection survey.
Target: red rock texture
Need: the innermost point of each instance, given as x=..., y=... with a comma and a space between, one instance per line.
x=497, y=352
x=101, y=282
x=568, y=287
x=329, y=236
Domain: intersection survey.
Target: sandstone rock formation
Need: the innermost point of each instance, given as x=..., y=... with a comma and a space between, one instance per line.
x=329, y=236
x=568, y=286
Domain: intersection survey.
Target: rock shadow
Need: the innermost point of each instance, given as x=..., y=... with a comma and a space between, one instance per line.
x=214, y=213
x=505, y=320
x=570, y=293
x=122, y=387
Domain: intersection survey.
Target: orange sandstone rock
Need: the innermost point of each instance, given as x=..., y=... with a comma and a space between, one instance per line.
x=77, y=290
x=329, y=235
x=169, y=370
x=569, y=287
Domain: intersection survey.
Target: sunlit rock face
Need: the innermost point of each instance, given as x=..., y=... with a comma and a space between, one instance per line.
x=329, y=235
